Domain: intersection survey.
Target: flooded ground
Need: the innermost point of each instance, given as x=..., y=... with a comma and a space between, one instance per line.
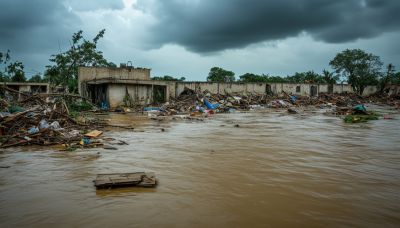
x=274, y=170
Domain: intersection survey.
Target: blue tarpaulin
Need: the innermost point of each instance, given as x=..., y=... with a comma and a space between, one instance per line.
x=209, y=105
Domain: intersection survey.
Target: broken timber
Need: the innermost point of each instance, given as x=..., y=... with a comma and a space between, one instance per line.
x=138, y=179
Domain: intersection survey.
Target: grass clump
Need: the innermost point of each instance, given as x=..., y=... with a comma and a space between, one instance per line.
x=80, y=106
x=361, y=118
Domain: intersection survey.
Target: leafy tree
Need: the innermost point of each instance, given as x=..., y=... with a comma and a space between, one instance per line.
x=250, y=77
x=396, y=79
x=329, y=77
x=302, y=77
x=4, y=58
x=168, y=78
x=218, y=74
x=81, y=53
x=4, y=77
x=306, y=77
x=277, y=79
x=16, y=72
x=11, y=71
x=359, y=67
x=37, y=78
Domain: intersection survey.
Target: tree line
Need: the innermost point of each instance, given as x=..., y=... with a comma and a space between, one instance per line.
x=63, y=70
x=355, y=66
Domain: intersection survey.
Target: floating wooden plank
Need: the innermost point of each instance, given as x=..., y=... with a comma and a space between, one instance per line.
x=94, y=134
x=138, y=179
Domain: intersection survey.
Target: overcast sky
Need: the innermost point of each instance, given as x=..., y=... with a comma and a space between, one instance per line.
x=188, y=37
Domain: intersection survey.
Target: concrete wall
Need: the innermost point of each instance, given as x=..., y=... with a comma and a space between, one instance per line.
x=27, y=86
x=342, y=88
x=140, y=94
x=394, y=89
x=143, y=94
x=276, y=88
x=176, y=88
x=369, y=90
x=92, y=73
x=221, y=88
x=292, y=89
x=141, y=91
x=323, y=88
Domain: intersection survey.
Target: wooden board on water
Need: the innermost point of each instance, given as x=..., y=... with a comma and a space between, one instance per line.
x=94, y=134
x=138, y=179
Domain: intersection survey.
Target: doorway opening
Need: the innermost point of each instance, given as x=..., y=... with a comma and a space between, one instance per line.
x=159, y=93
x=313, y=91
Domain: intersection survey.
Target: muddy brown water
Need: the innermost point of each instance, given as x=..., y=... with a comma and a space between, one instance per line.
x=274, y=170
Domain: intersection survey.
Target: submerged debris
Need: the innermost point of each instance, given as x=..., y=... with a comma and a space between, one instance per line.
x=360, y=118
x=139, y=179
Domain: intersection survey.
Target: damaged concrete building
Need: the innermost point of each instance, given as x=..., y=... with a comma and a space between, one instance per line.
x=118, y=85
x=28, y=87
x=132, y=85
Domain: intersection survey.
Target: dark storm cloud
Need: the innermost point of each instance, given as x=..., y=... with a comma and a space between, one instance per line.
x=34, y=25
x=26, y=24
x=18, y=15
x=35, y=29
x=208, y=25
x=95, y=4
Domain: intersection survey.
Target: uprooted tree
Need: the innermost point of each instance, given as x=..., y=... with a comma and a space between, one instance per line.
x=82, y=52
x=361, y=68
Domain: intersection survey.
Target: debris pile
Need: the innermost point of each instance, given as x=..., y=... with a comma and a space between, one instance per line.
x=359, y=114
x=193, y=103
x=34, y=120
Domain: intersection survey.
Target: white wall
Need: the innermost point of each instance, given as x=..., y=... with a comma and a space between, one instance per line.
x=141, y=94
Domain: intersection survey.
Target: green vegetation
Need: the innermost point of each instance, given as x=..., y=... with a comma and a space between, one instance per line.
x=304, y=77
x=360, y=68
x=82, y=52
x=128, y=101
x=218, y=74
x=37, y=78
x=168, y=78
x=11, y=71
x=360, y=118
x=79, y=106
x=356, y=66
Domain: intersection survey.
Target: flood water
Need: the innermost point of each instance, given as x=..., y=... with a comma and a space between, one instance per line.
x=274, y=170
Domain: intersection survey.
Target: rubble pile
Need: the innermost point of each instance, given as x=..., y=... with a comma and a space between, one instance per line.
x=192, y=103
x=36, y=121
x=391, y=100
x=38, y=125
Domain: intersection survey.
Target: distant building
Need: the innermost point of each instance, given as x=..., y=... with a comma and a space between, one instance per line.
x=23, y=89
x=120, y=85
x=28, y=87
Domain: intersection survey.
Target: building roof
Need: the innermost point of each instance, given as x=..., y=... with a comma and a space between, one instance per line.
x=126, y=81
